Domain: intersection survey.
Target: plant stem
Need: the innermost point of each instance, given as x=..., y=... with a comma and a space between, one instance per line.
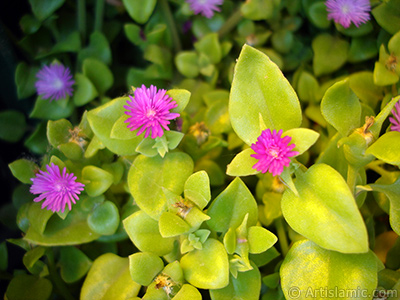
x=231, y=23
x=283, y=242
x=55, y=277
x=171, y=25
x=351, y=178
x=98, y=21
x=82, y=19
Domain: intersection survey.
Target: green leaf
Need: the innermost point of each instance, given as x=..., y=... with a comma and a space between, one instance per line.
x=120, y=130
x=188, y=291
x=383, y=76
x=387, y=14
x=98, y=73
x=324, y=195
x=303, y=138
x=138, y=10
x=31, y=260
x=308, y=87
x=187, y=64
x=362, y=49
x=144, y=233
x=260, y=239
x=38, y=217
x=209, y=45
x=24, y=170
x=247, y=286
x=172, y=225
x=37, y=141
x=58, y=132
x=207, y=268
x=197, y=189
x=319, y=15
x=132, y=32
x=173, y=138
x=362, y=84
x=242, y=164
x=231, y=206
x=375, y=129
x=144, y=267
x=25, y=78
x=324, y=274
x=102, y=120
x=181, y=97
x=104, y=219
x=96, y=180
x=98, y=49
x=109, y=278
x=84, y=91
x=42, y=9
x=257, y=9
x=330, y=54
x=3, y=256
x=386, y=148
x=12, y=125
x=74, y=264
x=149, y=176
x=29, y=24
x=70, y=231
x=341, y=107
x=24, y=286
x=52, y=110
x=392, y=191
x=260, y=89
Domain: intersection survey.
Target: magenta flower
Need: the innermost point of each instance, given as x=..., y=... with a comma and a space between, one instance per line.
x=205, y=7
x=396, y=120
x=150, y=110
x=346, y=11
x=54, y=82
x=58, y=189
x=272, y=152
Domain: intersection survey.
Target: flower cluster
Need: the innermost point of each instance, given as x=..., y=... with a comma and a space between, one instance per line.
x=149, y=110
x=54, y=82
x=57, y=189
x=272, y=152
x=346, y=12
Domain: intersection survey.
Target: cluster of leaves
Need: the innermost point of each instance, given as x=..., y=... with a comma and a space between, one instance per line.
x=179, y=216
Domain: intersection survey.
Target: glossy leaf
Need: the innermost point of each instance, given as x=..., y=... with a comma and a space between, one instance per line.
x=242, y=164
x=54, y=110
x=43, y=9
x=230, y=207
x=303, y=138
x=96, y=180
x=24, y=170
x=149, y=176
x=272, y=97
x=138, y=10
x=386, y=148
x=197, y=189
x=84, y=90
x=247, y=286
x=25, y=78
x=181, y=97
x=144, y=267
x=207, y=268
x=144, y=233
x=341, y=107
x=109, y=278
x=260, y=239
x=74, y=264
x=188, y=291
x=104, y=219
x=330, y=53
x=299, y=275
x=24, y=286
x=324, y=195
x=98, y=73
x=102, y=120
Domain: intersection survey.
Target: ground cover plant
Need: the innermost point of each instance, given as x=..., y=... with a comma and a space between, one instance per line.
x=205, y=149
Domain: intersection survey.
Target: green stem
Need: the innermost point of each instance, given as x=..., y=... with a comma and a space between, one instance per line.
x=283, y=242
x=231, y=23
x=351, y=178
x=169, y=19
x=82, y=19
x=98, y=21
x=55, y=277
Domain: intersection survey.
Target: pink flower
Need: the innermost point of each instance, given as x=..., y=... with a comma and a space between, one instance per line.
x=346, y=11
x=58, y=189
x=205, y=7
x=54, y=82
x=396, y=120
x=150, y=110
x=272, y=152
